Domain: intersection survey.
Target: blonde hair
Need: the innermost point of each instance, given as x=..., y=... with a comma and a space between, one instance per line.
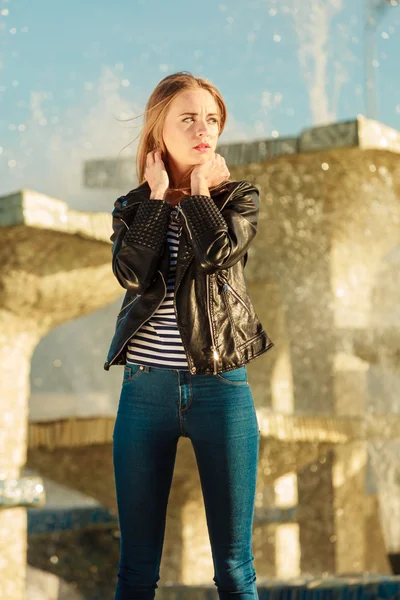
x=155, y=113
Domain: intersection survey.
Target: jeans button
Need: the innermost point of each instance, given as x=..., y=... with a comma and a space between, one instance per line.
x=193, y=370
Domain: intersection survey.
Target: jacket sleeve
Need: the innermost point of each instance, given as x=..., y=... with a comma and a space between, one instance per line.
x=137, y=248
x=221, y=238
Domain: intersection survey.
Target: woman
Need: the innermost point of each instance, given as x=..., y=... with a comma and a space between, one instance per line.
x=185, y=331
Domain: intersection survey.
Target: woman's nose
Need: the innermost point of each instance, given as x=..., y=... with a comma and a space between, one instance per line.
x=202, y=127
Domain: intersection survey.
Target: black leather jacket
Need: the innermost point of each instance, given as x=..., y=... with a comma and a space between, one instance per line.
x=219, y=328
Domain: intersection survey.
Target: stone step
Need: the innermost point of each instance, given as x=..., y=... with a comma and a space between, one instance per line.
x=67, y=509
x=367, y=587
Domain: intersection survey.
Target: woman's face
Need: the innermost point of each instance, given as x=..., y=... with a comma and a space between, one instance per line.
x=182, y=131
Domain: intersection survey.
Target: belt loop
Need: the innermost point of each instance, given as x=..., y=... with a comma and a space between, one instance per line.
x=146, y=368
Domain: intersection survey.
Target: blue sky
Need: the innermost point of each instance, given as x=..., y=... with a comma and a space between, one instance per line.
x=68, y=71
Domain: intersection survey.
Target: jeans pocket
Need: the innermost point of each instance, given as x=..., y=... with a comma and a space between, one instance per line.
x=131, y=372
x=237, y=376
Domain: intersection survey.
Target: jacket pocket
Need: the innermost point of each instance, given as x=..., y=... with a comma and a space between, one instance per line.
x=226, y=287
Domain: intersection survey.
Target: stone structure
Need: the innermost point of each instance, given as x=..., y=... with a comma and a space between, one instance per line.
x=54, y=266
x=322, y=273
x=323, y=276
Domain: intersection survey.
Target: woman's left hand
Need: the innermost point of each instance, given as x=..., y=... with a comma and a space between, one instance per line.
x=212, y=172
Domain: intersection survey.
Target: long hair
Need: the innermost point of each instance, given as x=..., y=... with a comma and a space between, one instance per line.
x=154, y=117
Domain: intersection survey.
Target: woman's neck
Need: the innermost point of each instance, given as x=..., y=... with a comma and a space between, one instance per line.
x=179, y=177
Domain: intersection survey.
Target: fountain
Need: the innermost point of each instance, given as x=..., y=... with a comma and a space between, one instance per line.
x=328, y=233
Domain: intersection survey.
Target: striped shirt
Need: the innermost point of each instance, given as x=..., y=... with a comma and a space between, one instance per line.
x=158, y=341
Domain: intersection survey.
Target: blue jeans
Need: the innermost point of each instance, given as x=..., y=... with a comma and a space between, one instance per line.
x=217, y=413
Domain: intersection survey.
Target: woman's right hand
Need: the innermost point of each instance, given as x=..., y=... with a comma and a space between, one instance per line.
x=156, y=174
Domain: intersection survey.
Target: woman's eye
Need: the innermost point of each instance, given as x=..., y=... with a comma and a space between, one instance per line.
x=212, y=119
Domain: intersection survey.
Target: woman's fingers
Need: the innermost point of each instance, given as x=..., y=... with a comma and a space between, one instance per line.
x=151, y=156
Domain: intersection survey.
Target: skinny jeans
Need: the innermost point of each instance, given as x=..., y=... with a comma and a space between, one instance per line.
x=157, y=406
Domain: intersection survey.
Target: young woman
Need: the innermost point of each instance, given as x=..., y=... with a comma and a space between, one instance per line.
x=185, y=331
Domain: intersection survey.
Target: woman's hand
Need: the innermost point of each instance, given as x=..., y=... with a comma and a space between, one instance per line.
x=156, y=174
x=212, y=172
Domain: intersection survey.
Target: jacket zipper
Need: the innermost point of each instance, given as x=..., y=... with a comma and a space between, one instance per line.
x=127, y=306
x=213, y=347
x=132, y=334
x=180, y=212
x=216, y=356
x=182, y=337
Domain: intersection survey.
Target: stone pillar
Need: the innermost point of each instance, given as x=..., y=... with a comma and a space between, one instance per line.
x=54, y=266
x=316, y=516
x=17, y=341
x=348, y=477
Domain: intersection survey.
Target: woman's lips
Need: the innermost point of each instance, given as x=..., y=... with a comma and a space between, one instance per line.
x=202, y=148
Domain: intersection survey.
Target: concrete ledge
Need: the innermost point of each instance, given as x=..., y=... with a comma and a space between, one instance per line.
x=47, y=520
x=75, y=432
x=360, y=132
x=33, y=209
